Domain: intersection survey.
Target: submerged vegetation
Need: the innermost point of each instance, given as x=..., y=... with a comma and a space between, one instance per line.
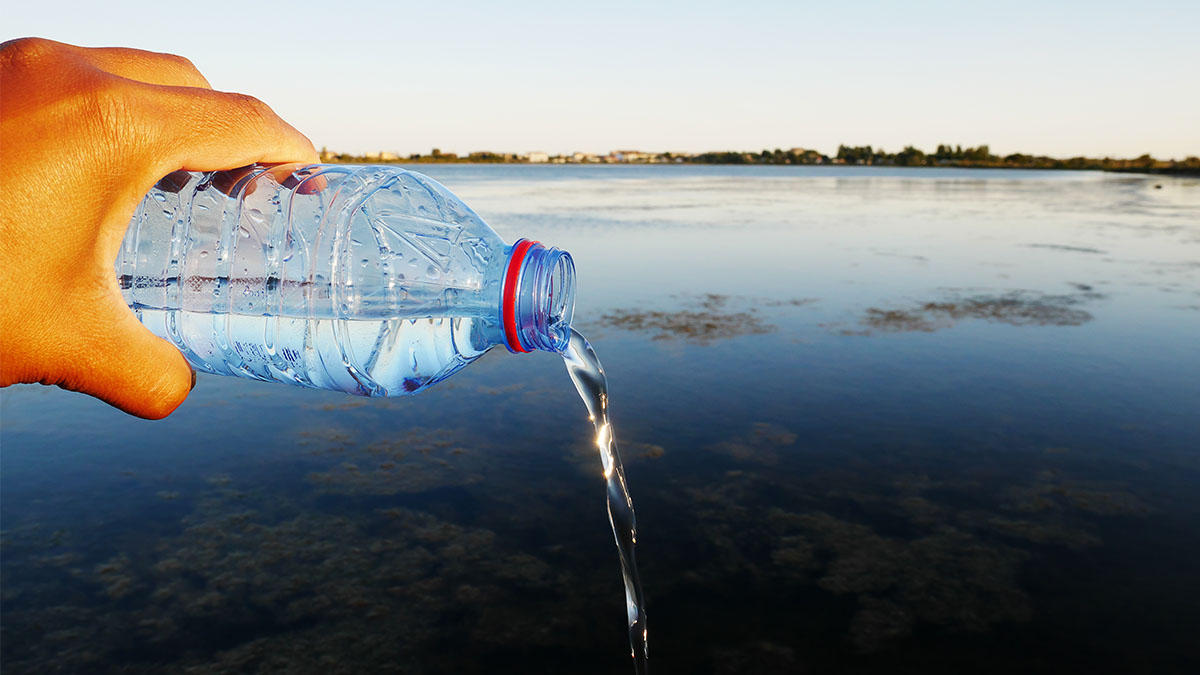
x=1016, y=308
x=332, y=576
x=704, y=320
x=708, y=318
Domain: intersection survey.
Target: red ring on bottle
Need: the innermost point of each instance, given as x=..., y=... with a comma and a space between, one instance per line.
x=508, y=304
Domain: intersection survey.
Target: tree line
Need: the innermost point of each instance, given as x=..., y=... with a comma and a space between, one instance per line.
x=947, y=155
x=865, y=155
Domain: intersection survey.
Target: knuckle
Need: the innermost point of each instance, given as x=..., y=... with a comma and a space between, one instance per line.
x=27, y=46
x=184, y=65
x=177, y=60
x=254, y=111
x=247, y=102
x=112, y=107
x=25, y=51
x=110, y=99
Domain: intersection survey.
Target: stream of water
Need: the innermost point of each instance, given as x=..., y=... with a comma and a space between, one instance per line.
x=588, y=376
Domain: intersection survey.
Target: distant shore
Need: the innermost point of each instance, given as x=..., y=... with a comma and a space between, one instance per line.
x=944, y=157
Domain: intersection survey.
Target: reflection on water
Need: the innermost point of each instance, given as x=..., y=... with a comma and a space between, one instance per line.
x=1003, y=481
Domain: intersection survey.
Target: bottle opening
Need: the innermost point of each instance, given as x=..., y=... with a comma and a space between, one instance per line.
x=539, y=298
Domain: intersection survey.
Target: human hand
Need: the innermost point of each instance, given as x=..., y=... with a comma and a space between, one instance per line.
x=85, y=133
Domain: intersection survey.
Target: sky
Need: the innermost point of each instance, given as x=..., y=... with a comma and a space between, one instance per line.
x=1058, y=78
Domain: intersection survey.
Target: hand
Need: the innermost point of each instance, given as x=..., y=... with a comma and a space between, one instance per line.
x=85, y=134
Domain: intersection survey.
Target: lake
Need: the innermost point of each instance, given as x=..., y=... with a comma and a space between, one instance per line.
x=873, y=420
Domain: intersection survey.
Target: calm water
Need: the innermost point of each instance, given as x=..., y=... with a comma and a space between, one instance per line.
x=875, y=421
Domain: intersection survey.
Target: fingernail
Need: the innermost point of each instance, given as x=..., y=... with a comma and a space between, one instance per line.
x=193, y=381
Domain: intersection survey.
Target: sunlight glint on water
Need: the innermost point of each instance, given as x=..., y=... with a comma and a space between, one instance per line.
x=588, y=376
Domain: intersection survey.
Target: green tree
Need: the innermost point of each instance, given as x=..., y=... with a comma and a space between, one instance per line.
x=910, y=156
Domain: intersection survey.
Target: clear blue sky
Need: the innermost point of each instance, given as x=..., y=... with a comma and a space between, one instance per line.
x=1060, y=78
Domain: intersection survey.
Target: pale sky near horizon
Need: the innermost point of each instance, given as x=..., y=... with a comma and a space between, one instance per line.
x=1058, y=78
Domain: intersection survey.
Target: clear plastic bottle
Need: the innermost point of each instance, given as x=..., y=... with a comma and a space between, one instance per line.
x=371, y=280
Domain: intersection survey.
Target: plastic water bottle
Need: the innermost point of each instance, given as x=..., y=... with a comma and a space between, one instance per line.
x=371, y=280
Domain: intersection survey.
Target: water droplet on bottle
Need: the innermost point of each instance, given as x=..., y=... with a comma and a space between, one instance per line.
x=365, y=262
x=203, y=254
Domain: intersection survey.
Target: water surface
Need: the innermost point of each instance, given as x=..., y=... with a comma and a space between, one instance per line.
x=875, y=420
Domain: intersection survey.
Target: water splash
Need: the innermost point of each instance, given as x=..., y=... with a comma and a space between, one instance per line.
x=588, y=376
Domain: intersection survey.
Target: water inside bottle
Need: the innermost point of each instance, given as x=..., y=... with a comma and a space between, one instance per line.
x=588, y=376
x=372, y=357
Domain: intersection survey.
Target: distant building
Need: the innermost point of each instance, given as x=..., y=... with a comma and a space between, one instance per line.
x=631, y=155
x=388, y=156
x=538, y=158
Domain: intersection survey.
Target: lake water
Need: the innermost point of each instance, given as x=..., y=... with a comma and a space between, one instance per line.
x=874, y=420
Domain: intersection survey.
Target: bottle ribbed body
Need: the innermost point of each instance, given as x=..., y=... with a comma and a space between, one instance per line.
x=366, y=279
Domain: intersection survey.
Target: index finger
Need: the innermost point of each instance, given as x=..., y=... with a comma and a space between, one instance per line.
x=206, y=130
x=143, y=66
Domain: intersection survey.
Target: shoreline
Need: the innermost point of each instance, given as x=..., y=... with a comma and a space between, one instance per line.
x=1181, y=171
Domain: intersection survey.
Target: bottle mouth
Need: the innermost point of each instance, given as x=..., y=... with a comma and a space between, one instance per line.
x=539, y=298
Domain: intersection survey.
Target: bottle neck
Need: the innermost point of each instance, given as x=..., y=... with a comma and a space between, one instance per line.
x=538, y=298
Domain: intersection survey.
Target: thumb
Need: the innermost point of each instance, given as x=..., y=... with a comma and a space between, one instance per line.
x=122, y=363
